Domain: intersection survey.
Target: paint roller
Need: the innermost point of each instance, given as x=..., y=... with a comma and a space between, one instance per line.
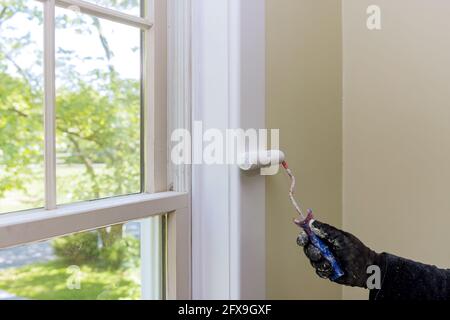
x=263, y=159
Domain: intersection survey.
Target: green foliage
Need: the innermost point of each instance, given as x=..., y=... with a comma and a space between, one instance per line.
x=21, y=127
x=123, y=253
x=93, y=129
x=98, y=115
x=48, y=281
x=77, y=249
x=20, y=120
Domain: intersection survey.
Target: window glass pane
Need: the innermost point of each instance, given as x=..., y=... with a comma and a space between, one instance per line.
x=98, y=107
x=126, y=6
x=21, y=106
x=105, y=264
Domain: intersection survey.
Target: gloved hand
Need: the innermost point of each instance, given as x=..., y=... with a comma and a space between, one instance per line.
x=352, y=255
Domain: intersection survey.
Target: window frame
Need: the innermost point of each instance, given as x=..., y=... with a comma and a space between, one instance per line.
x=19, y=228
x=228, y=218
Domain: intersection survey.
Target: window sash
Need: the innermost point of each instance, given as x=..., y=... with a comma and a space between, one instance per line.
x=145, y=24
x=24, y=227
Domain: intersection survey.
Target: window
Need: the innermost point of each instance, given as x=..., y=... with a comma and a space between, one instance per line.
x=83, y=147
x=93, y=265
x=21, y=107
x=98, y=103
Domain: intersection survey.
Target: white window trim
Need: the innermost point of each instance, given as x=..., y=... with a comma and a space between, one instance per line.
x=35, y=225
x=106, y=13
x=228, y=231
x=179, y=285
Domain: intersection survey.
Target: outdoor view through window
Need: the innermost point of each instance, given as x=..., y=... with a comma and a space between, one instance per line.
x=97, y=107
x=98, y=145
x=83, y=266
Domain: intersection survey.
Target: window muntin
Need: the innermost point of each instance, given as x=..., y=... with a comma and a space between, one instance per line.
x=98, y=108
x=21, y=106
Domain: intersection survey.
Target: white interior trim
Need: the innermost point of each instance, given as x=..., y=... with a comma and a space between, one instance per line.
x=36, y=225
x=155, y=145
x=179, y=176
x=179, y=257
x=247, y=110
x=228, y=207
x=155, y=86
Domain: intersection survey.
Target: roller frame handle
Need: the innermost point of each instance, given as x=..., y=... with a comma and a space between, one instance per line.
x=323, y=248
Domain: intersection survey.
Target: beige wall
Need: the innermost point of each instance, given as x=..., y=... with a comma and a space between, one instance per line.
x=397, y=129
x=304, y=101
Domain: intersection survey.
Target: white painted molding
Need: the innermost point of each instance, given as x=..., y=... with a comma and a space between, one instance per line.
x=179, y=176
x=35, y=225
x=228, y=207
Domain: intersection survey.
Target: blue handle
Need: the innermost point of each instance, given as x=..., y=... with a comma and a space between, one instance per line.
x=323, y=248
x=337, y=271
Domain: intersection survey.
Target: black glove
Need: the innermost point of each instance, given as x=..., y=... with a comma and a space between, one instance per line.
x=351, y=254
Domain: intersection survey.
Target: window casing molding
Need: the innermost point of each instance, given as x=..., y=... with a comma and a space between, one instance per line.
x=228, y=218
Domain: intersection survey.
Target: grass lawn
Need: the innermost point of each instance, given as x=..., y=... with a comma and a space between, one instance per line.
x=48, y=281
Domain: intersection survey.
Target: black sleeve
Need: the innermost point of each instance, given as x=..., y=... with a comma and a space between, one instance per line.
x=403, y=279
